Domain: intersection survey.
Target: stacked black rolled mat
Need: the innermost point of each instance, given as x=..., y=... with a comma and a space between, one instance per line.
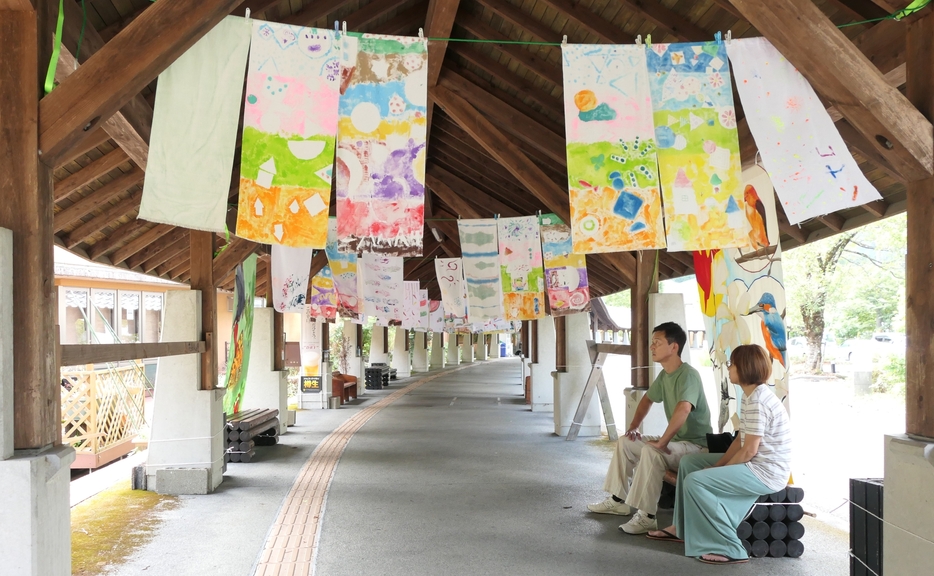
x=248, y=429
x=773, y=527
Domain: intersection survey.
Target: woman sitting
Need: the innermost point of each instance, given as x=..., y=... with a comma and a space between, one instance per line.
x=715, y=492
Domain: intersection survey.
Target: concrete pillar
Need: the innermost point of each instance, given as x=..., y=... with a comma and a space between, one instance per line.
x=420, y=353
x=266, y=388
x=480, y=348
x=453, y=352
x=377, y=343
x=494, y=346
x=437, y=350
x=667, y=308
x=909, y=472
x=467, y=349
x=543, y=387
x=354, y=362
x=35, y=529
x=400, y=356
x=569, y=385
x=186, y=445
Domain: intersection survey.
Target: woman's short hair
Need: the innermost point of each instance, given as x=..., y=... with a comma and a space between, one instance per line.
x=753, y=363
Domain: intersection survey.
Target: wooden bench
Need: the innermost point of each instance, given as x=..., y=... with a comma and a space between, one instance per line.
x=344, y=386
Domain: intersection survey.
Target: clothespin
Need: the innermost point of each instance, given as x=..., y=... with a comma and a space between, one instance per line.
x=337, y=27
x=564, y=40
x=496, y=216
x=421, y=33
x=247, y=14
x=648, y=40
x=729, y=36
x=639, y=40
x=718, y=37
x=344, y=27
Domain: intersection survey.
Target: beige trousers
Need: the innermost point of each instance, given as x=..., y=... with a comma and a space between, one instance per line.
x=646, y=467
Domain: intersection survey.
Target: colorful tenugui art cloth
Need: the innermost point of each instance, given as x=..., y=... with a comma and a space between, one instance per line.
x=346, y=281
x=698, y=147
x=323, y=301
x=424, y=312
x=194, y=131
x=290, y=270
x=410, y=310
x=810, y=166
x=241, y=335
x=480, y=256
x=450, y=273
x=381, y=144
x=310, y=345
x=742, y=297
x=520, y=265
x=435, y=316
x=382, y=285
x=289, y=126
x=612, y=169
x=565, y=272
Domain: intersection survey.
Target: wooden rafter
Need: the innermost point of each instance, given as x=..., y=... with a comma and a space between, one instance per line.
x=139, y=243
x=533, y=62
x=109, y=161
x=118, y=71
x=521, y=19
x=849, y=80
x=314, y=11
x=227, y=261
x=155, y=247
x=97, y=198
x=668, y=20
x=109, y=215
x=404, y=21
x=370, y=13
x=591, y=22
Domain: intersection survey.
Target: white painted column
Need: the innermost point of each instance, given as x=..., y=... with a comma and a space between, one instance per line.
x=570, y=385
x=480, y=348
x=467, y=349
x=265, y=388
x=377, y=342
x=35, y=529
x=494, y=346
x=437, y=350
x=420, y=353
x=543, y=387
x=400, y=356
x=354, y=362
x=186, y=445
x=667, y=308
x=453, y=353
x=909, y=475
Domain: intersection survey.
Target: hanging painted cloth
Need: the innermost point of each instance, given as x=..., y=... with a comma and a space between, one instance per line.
x=612, y=169
x=290, y=270
x=521, y=271
x=450, y=273
x=310, y=345
x=323, y=301
x=382, y=286
x=344, y=269
x=811, y=168
x=742, y=298
x=241, y=335
x=698, y=147
x=565, y=272
x=381, y=144
x=289, y=126
x=480, y=255
x=435, y=316
x=410, y=309
x=194, y=131
x=423, y=312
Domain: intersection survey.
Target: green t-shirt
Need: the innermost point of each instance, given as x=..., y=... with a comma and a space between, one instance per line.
x=683, y=385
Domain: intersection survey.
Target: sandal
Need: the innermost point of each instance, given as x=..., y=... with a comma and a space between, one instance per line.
x=726, y=559
x=667, y=536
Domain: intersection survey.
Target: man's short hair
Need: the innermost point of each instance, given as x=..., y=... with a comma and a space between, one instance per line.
x=753, y=364
x=673, y=334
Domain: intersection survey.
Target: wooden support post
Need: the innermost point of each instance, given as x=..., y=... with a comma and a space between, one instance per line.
x=646, y=283
x=278, y=328
x=533, y=341
x=561, y=344
x=202, y=278
x=527, y=338
x=26, y=209
x=919, y=300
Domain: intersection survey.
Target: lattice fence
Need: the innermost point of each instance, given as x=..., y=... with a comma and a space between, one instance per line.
x=103, y=408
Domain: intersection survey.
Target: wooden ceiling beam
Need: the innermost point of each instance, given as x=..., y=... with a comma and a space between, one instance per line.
x=314, y=11
x=591, y=21
x=833, y=221
x=856, y=87
x=175, y=261
x=859, y=10
x=404, y=21
x=98, y=138
x=131, y=125
x=97, y=198
x=454, y=200
x=521, y=19
x=556, y=126
x=227, y=261
x=74, y=182
x=507, y=117
x=180, y=246
x=180, y=268
x=138, y=243
x=116, y=236
x=366, y=15
x=485, y=203
x=667, y=19
x=110, y=214
x=877, y=208
x=533, y=62
x=439, y=21
x=119, y=71
x=154, y=247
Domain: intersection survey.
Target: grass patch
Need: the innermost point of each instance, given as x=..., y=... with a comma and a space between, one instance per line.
x=108, y=528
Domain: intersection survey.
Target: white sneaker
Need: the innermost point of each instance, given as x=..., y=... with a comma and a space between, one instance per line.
x=610, y=506
x=640, y=524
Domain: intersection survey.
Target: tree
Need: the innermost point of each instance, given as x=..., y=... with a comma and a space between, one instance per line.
x=809, y=275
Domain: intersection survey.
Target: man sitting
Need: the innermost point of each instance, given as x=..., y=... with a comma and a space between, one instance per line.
x=678, y=387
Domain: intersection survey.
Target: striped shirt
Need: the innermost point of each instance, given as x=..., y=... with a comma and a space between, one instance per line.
x=763, y=415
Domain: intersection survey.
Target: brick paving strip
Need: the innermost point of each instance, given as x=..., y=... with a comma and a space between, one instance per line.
x=292, y=544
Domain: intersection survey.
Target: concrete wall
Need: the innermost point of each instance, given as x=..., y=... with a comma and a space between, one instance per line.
x=543, y=386
x=569, y=385
x=437, y=351
x=909, y=507
x=420, y=353
x=6, y=346
x=265, y=387
x=667, y=308
x=400, y=356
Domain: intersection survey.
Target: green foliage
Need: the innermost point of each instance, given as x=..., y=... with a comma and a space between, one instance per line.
x=890, y=377
x=623, y=299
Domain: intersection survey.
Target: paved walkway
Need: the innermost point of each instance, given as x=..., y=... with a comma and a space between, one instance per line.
x=450, y=476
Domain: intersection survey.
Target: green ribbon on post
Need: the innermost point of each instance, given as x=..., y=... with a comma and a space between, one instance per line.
x=56, y=48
